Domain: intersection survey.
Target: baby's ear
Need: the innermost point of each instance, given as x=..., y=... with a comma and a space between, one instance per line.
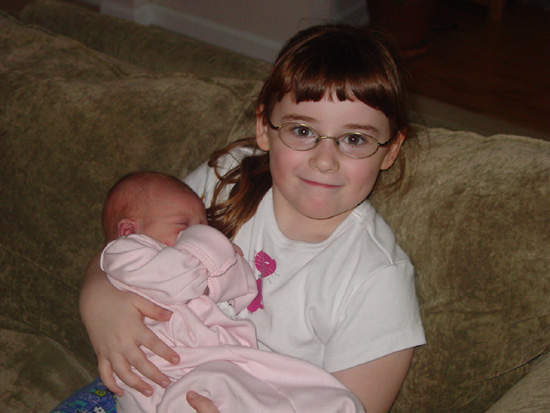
x=126, y=227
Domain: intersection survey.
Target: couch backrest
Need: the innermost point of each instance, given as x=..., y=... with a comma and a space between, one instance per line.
x=153, y=48
x=473, y=214
x=72, y=121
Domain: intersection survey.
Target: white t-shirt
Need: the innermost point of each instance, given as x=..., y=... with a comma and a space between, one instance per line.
x=338, y=303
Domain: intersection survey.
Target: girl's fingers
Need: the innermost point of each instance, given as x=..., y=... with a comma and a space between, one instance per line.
x=200, y=403
x=159, y=347
x=151, y=310
x=148, y=339
x=121, y=367
x=150, y=371
x=106, y=374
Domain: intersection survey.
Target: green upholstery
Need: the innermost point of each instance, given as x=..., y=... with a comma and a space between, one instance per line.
x=473, y=215
x=472, y=212
x=149, y=47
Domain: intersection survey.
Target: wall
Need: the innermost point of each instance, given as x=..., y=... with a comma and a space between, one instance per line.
x=254, y=27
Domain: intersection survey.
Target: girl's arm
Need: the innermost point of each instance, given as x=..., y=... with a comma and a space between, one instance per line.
x=378, y=382
x=114, y=321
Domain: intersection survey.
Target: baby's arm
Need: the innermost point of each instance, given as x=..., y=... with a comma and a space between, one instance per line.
x=167, y=275
x=117, y=339
x=230, y=277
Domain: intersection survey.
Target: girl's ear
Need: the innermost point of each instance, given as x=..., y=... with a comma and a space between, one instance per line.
x=126, y=226
x=393, y=150
x=262, y=138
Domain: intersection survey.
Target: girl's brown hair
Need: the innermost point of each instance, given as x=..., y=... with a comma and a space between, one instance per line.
x=338, y=61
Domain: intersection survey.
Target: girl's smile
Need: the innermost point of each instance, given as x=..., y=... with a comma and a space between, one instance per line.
x=321, y=184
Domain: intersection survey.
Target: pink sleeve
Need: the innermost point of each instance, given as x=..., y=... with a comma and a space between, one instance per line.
x=230, y=276
x=147, y=267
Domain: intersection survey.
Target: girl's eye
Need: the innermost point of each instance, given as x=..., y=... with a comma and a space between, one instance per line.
x=302, y=131
x=354, y=139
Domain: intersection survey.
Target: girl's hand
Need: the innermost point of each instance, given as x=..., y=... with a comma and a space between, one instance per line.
x=114, y=321
x=200, y=403
x=237, y=249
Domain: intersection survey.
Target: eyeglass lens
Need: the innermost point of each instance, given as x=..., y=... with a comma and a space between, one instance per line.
x=302, y=138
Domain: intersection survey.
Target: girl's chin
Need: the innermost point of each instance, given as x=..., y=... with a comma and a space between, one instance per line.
x=328, y=214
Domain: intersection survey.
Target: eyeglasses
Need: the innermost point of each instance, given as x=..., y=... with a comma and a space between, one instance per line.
x=301, y=137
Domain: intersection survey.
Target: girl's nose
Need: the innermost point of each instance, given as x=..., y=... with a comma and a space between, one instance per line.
x=325, y=156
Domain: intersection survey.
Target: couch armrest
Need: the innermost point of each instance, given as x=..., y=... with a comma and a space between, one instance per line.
x=531, y=394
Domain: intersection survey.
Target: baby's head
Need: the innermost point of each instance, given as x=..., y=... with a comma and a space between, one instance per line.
x=151, y=203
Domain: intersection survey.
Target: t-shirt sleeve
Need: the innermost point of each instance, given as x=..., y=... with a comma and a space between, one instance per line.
x=203, y=180
x=380, y=317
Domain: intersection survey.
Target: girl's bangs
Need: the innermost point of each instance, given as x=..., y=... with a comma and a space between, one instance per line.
x=342, y=73
x=343, y=82
x=339, y=64
x=315, y=88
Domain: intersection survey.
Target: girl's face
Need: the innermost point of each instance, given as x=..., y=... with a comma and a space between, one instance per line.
x=315, y=190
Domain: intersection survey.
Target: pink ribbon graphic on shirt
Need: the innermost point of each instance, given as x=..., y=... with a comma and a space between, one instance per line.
x=267, y=266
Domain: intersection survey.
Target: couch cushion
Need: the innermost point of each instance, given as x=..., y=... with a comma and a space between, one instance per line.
x=473, y=214
x=530, y=394
x=72, y=121
x=28, y=359
x=153, y=48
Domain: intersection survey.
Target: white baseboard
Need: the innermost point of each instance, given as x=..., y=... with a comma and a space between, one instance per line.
x=355, y=14
x=240, y=41
x=117, y=10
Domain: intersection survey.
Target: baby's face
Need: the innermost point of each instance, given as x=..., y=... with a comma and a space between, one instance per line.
x=171, y=213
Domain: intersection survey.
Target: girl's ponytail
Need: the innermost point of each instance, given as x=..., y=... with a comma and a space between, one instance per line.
x=250, y=180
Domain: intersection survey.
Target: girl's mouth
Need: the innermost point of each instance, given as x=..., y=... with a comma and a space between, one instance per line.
x=319, y=184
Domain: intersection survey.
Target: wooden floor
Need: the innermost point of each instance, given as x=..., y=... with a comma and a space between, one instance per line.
x=497, y=69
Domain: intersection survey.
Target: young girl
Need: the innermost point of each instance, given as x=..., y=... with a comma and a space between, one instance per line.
x=335, y=288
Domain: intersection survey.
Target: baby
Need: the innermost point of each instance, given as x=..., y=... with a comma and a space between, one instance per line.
x=150, y=211
x=160, y=247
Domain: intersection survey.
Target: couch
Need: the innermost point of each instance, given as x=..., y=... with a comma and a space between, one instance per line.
x=86, y=98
